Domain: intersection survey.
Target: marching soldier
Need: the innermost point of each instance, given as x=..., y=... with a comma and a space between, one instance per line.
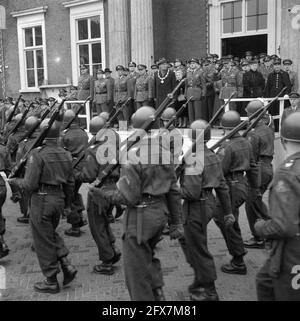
x=49, y=177
x=98, y=208
x=150, y=192
x=287, y=63
x=197, y=182
x=102, y=93
x=195, y=86
x=277, y=279
x=143, y=91
x=295, y=106
x=237, y=160
x=75, y=140
x=262, y=140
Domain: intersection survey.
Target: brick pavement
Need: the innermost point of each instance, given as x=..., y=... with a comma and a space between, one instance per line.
x=22, y=268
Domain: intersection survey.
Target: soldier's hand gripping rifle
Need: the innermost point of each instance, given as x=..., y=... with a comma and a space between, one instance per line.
x=145, y=128
x=110, y=121
x=243, y=124
x=11, y=115
x=77, y=113
x=38, y=142
x=179, y=168
x=178, y=114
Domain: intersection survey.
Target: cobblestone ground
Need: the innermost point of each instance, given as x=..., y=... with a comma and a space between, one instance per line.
x=22, y=269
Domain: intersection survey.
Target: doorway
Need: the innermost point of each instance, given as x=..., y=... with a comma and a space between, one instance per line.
x=239, y=45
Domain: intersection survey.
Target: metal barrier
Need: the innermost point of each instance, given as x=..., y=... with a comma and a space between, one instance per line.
x=87, y=112
x=267, y=100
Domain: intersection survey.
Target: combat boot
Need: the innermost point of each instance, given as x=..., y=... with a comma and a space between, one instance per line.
x=4, y=250
x=73, y=231
x=104, y=268
x=50, y=285
x=204, y=294
x=159, y=294
x=69, y=270
x=236, y=266
x=23, y=219
x=254, y=244
x=83, y=222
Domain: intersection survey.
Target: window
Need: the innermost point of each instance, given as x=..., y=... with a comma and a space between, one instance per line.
x=232, y=17
x=34, y=56
x=257, y=14
x=89, y=43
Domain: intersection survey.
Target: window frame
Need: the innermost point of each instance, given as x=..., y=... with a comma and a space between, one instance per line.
x=30, y=21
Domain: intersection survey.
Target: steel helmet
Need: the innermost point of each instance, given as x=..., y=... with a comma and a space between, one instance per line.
x=54, y=131
x=68, y=115
x=198, y=126
x=96, y=124
x=230, y=119
x=290, y=129
x=31, y=122
x=168, y=114
x=254, y=106
x=104, y=115
x=142, y=115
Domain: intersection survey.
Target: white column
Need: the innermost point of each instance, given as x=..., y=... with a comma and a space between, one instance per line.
x=142, y=48
x=118, y=33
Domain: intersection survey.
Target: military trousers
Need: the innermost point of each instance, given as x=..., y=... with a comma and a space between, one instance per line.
x=24, y=202
x=77, y=207
x=143, y=228
x=3, y=192
x=197, y=215
x=102, y=108
x=232, y=235
x=209, y=107
x=140, y=104
x=46, y=209
x=255, y=207
x=100, y=227
x=196, y=110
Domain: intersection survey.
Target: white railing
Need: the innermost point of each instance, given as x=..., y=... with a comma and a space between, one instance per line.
x=86, y=113
x=267, y=100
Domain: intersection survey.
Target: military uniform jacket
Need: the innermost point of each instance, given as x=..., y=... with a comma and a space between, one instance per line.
x=111, y=85
x=143, y=88
x=209, y=76
x=121, y=89
x=132, y=78
x=192, y=185
x=102, y=91
x=276, y=82
x=231, y=81
x=294, y=81
x=5, y=161
x=289, y=111
x=284, y=208
x=85, y=87
x=254, y=84
x=195, y=84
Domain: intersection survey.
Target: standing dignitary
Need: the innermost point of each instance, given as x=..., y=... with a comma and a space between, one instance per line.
x=143, y=91
x=197, y=185
x=287, y=63
x=277, y=80
x=164, y=82
x=195, y=86
x=97, y=207
x=277, y=279
x=208, y=70
x=262, y=140
x=75, y=140
x=85, y=84
x=110, y=99
x=132, y=77
x=238, y=165
x=49, y=177
x=253, y=82
x=102, y=92
x=150, y=192
x=295, y=106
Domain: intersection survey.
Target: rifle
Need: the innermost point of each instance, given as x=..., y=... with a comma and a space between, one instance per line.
x=93, y=140
x=107, y=171
x=178, y=114
x=179, y=168
x=11, y=115
x=17, y=169
x=77, y=113
x=245, y=122
x=115, y=108
x=18, y=124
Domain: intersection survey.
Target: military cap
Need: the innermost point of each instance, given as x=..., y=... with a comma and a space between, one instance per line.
x=45, y=101
x=206, y=62
x=126, y=69
x=51, y=99
x=107, y=70
x=141, y=66
x=131, y=64
x=193, y=60
x=245, y=63
x=62, y=90
x=162, y=61
x=154, y=66
x=253, y=61
x=100, y=71
x=294, y=95
x=73, y=88
x=215, y=56
x=274, y=57
x=84, y=67
x=120, y=67
x=236, y=59
x=287, y=62
x=248, y=53
x=178, y=60
x=277, y=61
x=262, y=55
x=209, y=56
x=267, y=59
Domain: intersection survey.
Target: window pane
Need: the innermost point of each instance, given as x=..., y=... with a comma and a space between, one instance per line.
x=263, y=6
x=237, y=12
x=28, y=37
x=40, y=73
x=237, y=25
x=39, y=59
x=251, y=23
x=29, y=59
x=227, y=26
x=251, y=7
x=30, y=78
x=263, y=22
x=96, y=52
x=95, y=68
x=227, y=10
x=84, y=54
x=82, y=29
x=95, y=27
x=38, y=36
